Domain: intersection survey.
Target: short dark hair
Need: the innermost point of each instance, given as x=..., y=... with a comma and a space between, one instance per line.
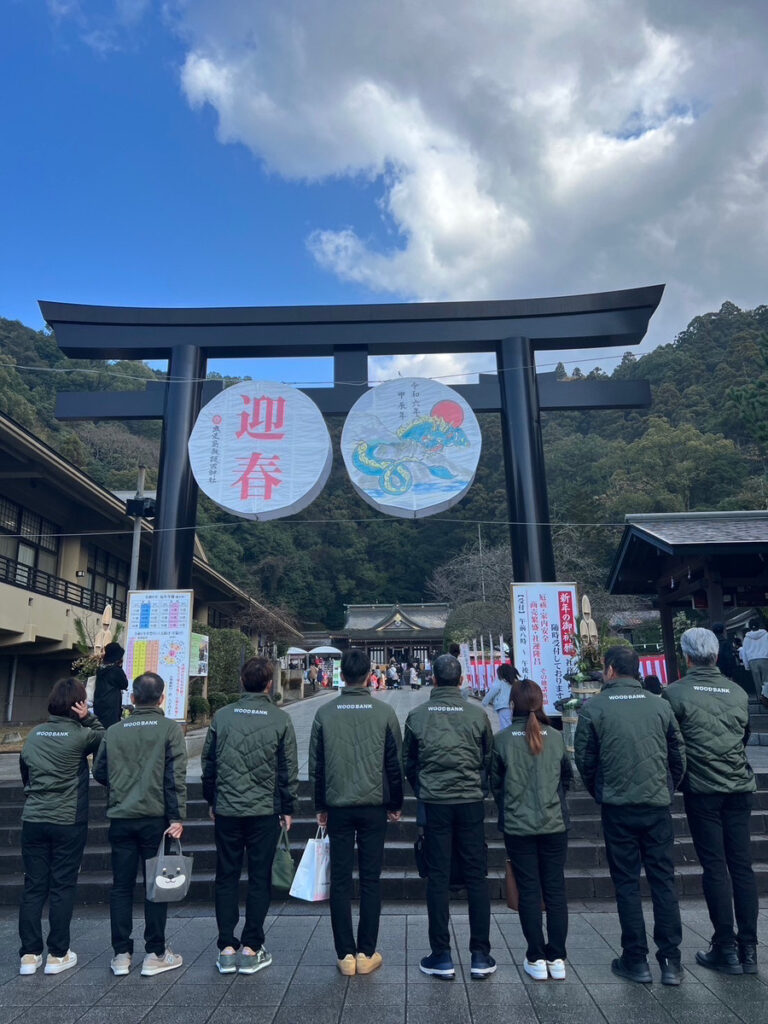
x=113, y=653
x=652, y=684
x=148, y=688
x=623, y=660
x=754, y=624
x=355, y=666
x=454, y=649
x=447, y=670
x=718, y=628
x=65, y=693
x=256, y=674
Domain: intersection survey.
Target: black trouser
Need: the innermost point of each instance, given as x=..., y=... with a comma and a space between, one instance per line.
x=51, y=855
x=369, y=826
x=133, y=841
x=539, y=866
x=719, y=824
x=457, y=828
x=636, y=834
x=258, y=836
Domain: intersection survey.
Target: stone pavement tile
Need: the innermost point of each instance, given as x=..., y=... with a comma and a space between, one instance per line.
x=192, y=995
x=23, y=991
x=506, y=1014
x=753, y=1013
x=9, y=1013
x=363, y=996
x=706, y=1015
x=550, y=998
x=627, y=993
x=133, y=995
x=513, y=997
x=615, y=1013
x=70, y=995
x=307, y=1013
x=240, y=1015
x=446, y=995
x=384, y=1015
x=178, y=1015
x=244, y=992
x=110, y=1014
x=425, y=1014
x=63, y=1015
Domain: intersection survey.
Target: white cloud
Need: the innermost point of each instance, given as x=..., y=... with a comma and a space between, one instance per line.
x=519, y=149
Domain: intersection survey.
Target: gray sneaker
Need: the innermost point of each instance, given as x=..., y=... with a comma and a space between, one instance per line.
x=226, y=963
x=154, y=964
x=252, y=962
x=121, y=963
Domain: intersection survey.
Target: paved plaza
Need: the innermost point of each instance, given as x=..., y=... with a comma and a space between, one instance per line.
x=304, y=987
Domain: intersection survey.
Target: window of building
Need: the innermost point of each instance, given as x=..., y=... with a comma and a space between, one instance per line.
x=107, y=575
x=38, y=545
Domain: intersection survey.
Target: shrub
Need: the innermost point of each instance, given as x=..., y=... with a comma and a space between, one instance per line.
x=218, y=700
x=198, y=708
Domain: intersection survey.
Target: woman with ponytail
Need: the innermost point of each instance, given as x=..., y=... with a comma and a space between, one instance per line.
x=530, y=772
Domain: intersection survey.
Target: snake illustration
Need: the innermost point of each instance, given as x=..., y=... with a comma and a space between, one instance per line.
x=416, y=442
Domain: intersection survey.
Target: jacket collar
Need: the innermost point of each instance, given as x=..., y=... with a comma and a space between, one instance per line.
x=61, y=719
x=355, y=691
x=711, y=673
x=622, y=681
x=147, y=712
x=446, y=695
x=255, y=698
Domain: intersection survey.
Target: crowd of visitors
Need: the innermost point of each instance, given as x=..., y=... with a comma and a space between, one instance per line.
x=633, y=748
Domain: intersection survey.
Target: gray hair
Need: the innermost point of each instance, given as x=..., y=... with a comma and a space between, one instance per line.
x=700, y=645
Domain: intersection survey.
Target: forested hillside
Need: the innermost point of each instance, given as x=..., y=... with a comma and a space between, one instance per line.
x=702, y=445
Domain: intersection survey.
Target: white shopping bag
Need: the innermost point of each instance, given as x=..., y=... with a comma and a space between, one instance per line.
x=312, y=880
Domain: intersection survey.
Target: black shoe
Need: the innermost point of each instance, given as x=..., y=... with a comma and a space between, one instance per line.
x=638, y=971
x=671, y=972
x=724, y=959
x=748, y=958
x=483, y=965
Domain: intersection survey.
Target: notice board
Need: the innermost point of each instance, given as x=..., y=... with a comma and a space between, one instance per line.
x=543, y=624
x=158, y=639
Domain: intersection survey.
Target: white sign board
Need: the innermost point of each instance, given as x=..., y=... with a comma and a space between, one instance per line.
x=261, y=450
x=411, y=447
x=543, y=625
x=158, y=631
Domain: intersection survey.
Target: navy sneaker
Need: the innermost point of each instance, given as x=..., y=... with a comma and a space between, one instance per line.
x=482, y=965
x=439, y=964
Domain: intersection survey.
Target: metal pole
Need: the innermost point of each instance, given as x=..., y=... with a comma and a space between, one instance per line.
x=533, y=558
x=133, y=579
x=482, y=571
x=173, y=543
x=11, y=689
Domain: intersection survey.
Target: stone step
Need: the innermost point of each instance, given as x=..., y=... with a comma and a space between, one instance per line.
x=397, y=884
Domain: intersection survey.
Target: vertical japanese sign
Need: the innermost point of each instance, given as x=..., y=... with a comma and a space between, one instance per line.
x=543, y=624
x=158, y=639
x=261, y=450
x=198, y=655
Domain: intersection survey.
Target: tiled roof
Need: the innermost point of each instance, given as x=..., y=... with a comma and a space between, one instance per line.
x=693, y=528
x=369, y=616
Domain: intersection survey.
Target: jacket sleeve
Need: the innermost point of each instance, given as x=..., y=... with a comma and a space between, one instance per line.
x=100, y=765
x=287, y=770
x=123, y=679
x=317, y=767
x=487, y=743
x=675, y=752
x=587, y=752
x=566, y=773
x=94, y=733
x=496, y=777
x=175, y=775
x=392, y=765
x=208, y=763
x=24, y=769
x=490, y=695
x=411, y=758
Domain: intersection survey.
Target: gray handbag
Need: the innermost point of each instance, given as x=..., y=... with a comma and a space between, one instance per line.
x=168, y=875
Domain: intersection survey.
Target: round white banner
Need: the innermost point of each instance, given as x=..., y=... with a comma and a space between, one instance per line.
x=411, y=447
x=261, y=450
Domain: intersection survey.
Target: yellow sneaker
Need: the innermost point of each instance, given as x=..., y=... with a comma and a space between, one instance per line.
x=347, y=966
x=368, y=964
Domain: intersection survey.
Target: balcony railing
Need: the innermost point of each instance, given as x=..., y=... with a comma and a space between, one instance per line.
x=24, y=576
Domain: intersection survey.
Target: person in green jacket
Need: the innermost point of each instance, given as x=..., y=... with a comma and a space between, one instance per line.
x=530, y=773
x=446, y=755
x=713, y=715
x=54, y=770
x=250, y=780
x=631, y=757
x=355, y=773
x=143, y=762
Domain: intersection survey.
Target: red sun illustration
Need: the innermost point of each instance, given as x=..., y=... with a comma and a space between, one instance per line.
x=449, y=411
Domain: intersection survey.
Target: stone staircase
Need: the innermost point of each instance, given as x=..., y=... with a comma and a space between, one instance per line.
x=586, y=872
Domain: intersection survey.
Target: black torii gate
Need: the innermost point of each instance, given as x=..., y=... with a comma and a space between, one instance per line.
x=515, y=330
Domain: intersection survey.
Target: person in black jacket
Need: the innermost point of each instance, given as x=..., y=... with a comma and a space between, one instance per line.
x=110, y=682
x=726, y=655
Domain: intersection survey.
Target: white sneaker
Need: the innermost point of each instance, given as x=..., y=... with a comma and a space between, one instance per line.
x=30, y=963
x=537, y=969
x=556, y=969
x=57, y=964
x=154, y=964
x=121, y=963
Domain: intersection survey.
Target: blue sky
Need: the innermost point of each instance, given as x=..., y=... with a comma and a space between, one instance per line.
x=259, y=152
